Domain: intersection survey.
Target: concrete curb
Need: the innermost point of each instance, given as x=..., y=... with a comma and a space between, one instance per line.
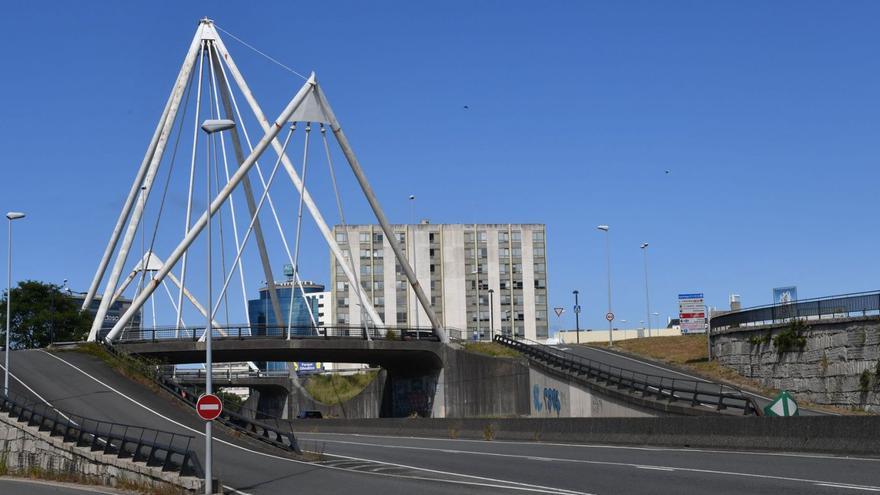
x=852, y=435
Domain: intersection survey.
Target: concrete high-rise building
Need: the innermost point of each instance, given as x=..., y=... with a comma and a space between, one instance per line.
x=457, y=266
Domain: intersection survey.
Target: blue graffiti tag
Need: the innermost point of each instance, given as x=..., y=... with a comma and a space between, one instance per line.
x=551, y=399
x=536, y=398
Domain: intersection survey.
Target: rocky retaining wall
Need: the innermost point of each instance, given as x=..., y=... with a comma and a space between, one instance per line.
x=837, y=366
x=27, y=451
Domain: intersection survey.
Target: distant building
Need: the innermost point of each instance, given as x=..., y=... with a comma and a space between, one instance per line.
x=320, y=302
x=263, y=317
x=457, y=265
x=114, y=312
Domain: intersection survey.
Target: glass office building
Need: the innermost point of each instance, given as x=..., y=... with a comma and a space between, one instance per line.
x=293, y=308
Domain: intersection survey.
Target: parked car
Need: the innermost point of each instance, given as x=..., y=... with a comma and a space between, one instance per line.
x=309, y=415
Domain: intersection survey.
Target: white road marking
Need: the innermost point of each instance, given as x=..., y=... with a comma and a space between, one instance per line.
x=851, y=487
x=483, y=481
x=25, y=385
x=601, y=446
x=619, y=464
x=233, y=490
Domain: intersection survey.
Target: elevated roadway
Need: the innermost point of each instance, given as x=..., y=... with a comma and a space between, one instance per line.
x=378, y=464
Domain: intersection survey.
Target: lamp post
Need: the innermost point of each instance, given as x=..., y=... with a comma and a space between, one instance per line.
x=491, y=314
x=12, y=215
x=644, y=247
x=412, y=221
x=655, y=315
x=604, y=228
x=577, y=317
x=210, y=127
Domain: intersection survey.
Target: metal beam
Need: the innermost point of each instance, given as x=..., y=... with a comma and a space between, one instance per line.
x=218, y=201
x=380, y=215
x=248, y=190
x=155, y=159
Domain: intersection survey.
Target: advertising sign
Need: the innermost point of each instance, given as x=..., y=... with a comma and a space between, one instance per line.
x=304, y=367
x=692, y=313
x=784, y=295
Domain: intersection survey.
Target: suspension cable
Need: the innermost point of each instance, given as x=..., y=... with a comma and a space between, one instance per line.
x=189, y=200
x=216, y=105
x=296, y=240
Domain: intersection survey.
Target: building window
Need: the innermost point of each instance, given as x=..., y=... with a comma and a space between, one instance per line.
x=503, y=252
x=502, y=268
x=366, y=270
x=540, y=283
x=517, y=252
x=378, y=253
x=378, y=301
x=503, y=237
x=481, y=235
x=431, y=237
x=400, y=285
x=432, y=268
x=365, y=253
x=378, y=238
x=432, y=252
x=539, y=267
x=401, y=318
x=518, y=300
x=517, y=268
x=540, y=315
x=516, y=236
x=341, y=237
x=365, y=237
x=378, y=285
x=539, y=252
x=540, y=299
x=538, y=236
x=469, y=237
x=401, y=236
x=341, y=286
x=342, y=319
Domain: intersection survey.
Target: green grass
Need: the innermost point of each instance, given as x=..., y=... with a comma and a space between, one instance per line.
x=335, y=389
x=493, y=349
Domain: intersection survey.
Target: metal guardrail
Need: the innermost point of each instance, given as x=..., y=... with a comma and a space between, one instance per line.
x=278, y=332
x=841, y=306
x=272, y=435
x=694, y=392
x=155, y=448
x=221, y=374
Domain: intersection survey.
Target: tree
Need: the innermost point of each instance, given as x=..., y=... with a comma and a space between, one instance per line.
x=42, y=314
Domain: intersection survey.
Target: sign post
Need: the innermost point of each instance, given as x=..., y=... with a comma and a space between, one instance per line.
x=692, y=313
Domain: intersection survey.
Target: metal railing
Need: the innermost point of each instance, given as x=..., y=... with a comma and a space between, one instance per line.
x=272, y=435
x=278, y=332
x=841, y=306
x=220, y=374
x=692, y=392
x=155, y=448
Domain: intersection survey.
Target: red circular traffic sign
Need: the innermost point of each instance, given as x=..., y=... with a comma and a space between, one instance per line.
x=609, y=316
x=209, y=407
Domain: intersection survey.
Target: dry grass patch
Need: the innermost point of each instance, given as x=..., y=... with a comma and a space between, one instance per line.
x=336, y=389
x=493, y=349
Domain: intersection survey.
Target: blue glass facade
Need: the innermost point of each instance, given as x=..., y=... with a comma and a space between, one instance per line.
x=263, y=321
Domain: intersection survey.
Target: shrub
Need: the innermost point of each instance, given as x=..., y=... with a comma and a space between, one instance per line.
x=791, y=339
x=865, y=381
x=390, y=335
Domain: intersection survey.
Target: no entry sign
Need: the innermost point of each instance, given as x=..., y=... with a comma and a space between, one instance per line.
x=209, y=407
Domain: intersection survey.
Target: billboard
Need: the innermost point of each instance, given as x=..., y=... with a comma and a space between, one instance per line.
x=692, y=313
x=304, y=367
x=785, y=295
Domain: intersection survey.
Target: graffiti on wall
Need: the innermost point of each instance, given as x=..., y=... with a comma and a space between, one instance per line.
x=548, y=399
x=413, y=395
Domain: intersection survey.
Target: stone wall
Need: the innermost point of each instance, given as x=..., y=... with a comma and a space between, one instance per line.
x=26, y=450
x=829, y=370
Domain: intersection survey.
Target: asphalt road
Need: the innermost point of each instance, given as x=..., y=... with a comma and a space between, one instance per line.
x=651, y=367
x=15, y=486
x=387, y=465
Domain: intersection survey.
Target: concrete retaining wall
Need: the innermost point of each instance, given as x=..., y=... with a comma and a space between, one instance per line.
x=827, y=371
x=849, y=435
x=25, y=449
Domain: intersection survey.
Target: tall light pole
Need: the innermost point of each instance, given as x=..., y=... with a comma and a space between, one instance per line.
x=609, y=317
x=412, y=220
x=12, y=215
x=210, y=127
x=577, y=317
x=644, y=247
x=491, y=314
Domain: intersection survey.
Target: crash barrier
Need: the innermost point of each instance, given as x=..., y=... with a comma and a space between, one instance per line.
x=154, y=448
x=696, y=393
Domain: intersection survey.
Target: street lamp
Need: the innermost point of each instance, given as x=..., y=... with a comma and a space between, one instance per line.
x=655, y=315
x=491, y=314
x=610, y=315
x=12, y=215
x=644, y=247
x=210, y=126
x=412, y=220
x=577, y=317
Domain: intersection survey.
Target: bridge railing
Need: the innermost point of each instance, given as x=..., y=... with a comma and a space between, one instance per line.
x=841, y=306
x=155, y=448
x=693, y=392
x=277, y=332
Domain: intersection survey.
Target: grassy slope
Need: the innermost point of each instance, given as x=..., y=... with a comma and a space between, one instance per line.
x=690, y=352
x=335, y=389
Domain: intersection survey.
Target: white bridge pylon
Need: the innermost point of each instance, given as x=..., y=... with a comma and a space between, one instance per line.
x=308, y=106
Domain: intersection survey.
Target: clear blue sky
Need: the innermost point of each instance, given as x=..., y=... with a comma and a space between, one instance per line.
x=765, y=114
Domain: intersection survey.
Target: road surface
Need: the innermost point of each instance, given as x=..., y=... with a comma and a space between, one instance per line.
x=387, y=465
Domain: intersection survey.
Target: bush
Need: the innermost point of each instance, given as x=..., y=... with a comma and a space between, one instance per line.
x=390, y=335
x=791, y=339
x=865, y=381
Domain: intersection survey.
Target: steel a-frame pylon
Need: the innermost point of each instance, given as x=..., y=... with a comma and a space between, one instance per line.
x=309, y=104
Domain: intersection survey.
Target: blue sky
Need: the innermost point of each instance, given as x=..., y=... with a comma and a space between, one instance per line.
x=765, y=114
